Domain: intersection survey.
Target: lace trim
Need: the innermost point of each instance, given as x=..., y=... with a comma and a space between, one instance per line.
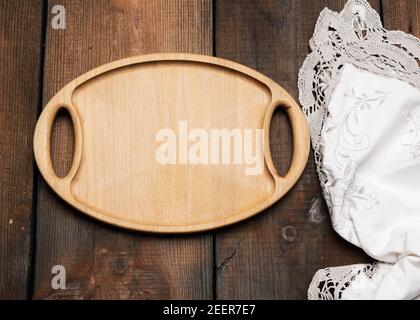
x=357, y=281
x=354, y=36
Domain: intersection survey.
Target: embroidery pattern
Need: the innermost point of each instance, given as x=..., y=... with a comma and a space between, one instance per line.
x=348, y=191
x=412, y=120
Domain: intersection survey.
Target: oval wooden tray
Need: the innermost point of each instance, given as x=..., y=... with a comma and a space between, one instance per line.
x=117, y=111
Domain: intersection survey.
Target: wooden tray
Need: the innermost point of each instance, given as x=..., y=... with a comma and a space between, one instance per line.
x=117, y=111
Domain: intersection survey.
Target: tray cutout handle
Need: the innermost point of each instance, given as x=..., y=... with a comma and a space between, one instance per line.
x=42, y=146
x=301, y=144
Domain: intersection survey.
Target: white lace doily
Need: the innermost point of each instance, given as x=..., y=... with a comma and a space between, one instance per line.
x=354, y=36
x=341, y=282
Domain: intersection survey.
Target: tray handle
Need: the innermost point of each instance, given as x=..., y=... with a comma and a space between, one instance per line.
x=301, y=144
x=42, y=146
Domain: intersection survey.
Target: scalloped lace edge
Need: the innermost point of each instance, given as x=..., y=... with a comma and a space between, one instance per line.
x=353, y=282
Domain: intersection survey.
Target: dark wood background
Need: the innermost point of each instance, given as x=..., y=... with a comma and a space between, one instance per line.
x=271, y=256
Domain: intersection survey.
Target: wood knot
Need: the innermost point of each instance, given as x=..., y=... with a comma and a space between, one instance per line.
x=120, y=264
x=289, y=233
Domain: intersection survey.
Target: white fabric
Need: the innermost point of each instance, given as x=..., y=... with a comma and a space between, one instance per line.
x=362, y=98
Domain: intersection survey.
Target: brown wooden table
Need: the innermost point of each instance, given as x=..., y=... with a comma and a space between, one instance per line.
x=271, y=256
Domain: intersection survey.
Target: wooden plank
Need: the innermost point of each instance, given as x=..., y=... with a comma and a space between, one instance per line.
x=402, y=15
x=20, y=47
x=275, y=255
x=102, y=261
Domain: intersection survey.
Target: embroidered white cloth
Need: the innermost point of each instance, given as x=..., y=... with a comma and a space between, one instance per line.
x=360, y=89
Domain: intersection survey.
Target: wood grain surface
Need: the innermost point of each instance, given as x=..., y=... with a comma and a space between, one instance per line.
x=402, y=15
x=20, y=43
x=102, y=261
x=273, y=255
